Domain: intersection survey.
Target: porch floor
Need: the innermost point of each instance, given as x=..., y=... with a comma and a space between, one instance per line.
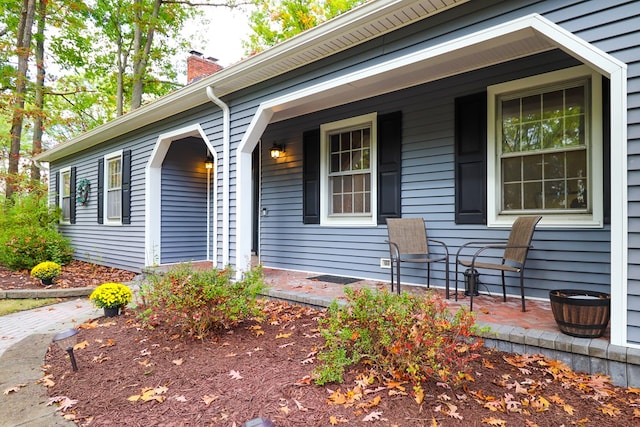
x=489, y=309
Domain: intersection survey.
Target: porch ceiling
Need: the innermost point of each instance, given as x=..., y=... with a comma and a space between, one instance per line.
x=432, y=64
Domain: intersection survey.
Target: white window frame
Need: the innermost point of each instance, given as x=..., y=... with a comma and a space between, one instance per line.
x=593, y=130
x=366, y=219
x=109, y=157
x=61, y=195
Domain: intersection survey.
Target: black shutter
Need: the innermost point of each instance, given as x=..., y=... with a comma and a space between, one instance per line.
x=311, y=177
x=470, y=159
x=389, y=166
x=72, y=196
x=100, y=191
x=126, y=187
x=55, y=183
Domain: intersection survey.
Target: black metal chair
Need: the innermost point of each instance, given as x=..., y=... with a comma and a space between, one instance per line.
x=514, y=255
x=408, y=242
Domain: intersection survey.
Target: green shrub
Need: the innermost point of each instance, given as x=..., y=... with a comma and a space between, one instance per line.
x=28, y=231
x=410, y=338
x=25, y=247
x=199, y=301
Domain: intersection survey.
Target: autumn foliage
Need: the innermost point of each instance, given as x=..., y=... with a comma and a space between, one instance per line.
x=409, y=337
x=199, y=301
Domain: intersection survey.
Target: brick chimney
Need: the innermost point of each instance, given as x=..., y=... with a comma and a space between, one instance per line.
x=198, y=66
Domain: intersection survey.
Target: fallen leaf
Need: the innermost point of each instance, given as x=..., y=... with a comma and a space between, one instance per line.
x=177, y=362
x=81, y=345
x=299, y=405
x=285, y=410
x=279, y=336
x=375, y=415
x=494, y=422
x=418, y=394
x=14, y=389
x=63, y=402
x=180, y=398
x=235, y=375
x=334, y=421
x=208, y=399
x=47, y=381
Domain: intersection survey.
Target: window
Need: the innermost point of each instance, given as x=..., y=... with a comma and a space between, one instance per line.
x=545, y=145
x=65, y=195
x=348, y=183
x=114, y=185
x=114, y=188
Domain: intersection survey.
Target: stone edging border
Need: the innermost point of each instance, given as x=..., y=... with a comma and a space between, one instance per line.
x=45, y=293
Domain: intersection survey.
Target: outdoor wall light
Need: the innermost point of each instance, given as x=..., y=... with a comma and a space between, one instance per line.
x=277, y=151
x=66, y=340
x=208, y=163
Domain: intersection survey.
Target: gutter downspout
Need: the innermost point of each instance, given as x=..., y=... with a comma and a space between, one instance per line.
x=226, y=120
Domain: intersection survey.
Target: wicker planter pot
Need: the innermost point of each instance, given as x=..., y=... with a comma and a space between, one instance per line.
x=582, y=314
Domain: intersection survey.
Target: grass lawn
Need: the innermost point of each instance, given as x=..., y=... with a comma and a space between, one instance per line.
x=8, y=306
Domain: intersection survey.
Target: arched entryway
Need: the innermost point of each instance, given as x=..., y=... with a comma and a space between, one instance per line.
x=181, y=199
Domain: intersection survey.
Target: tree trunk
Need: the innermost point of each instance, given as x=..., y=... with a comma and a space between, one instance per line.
x=140, y=52
x=23, y=46
x=38, y=125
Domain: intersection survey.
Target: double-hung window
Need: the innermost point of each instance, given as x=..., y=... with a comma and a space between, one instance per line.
x=545, y=149
x=113, y=187
x=348, y=184
x=65, y=195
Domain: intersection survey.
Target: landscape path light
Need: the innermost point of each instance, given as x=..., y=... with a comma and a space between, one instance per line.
x=66, y=340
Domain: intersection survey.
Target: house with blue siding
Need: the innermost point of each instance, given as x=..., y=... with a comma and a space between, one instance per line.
x=465, y=113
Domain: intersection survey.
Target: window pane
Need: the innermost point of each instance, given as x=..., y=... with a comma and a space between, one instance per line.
x=335, y=162
x=345, y=161
x=115, y=174
x=577, y=193
x=512, y=196
x=511, y=170
x=347, y=203
x=511, y=125
x=356, y=160
x=66, y=184
x=337, y=204
x=531, y=136
x=532, y=167
x=554, y=166
x=552, y=131
x=356, y=141
x=335, y=143
x=554, y=197
x=347, y=184
x=574, y=131
x=358, y=203
x=533, y=195
x=574, y=100
x=66, y=208
x=113, y=204
x=531, y=108
x=345, y=141
x=577, y=164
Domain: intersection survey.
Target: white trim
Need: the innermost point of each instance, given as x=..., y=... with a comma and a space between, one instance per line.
x=365, y=220
x=153, y=196
x=105, y=189
x=61, y=184
x=594, y=219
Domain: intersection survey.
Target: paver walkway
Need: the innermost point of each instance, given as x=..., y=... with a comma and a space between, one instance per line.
x=24, y=339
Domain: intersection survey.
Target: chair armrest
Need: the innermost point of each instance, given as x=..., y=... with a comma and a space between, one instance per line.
x=394, y=249
x=444, y=245
x=481, y=244
x=494, y=246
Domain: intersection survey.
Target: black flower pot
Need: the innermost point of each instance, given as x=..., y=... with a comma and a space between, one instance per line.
x=47, y=282
x=111, y=312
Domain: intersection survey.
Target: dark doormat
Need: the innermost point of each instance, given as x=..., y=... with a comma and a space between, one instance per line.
x=334, y=279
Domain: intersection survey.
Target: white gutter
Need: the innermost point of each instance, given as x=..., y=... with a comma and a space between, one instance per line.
x=226, y=121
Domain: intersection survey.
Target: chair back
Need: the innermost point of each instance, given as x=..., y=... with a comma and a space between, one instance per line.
x=521, y=235
x=409, y=234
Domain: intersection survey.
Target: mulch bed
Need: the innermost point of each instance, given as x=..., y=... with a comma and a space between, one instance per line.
x=77, y=274
x=132, y=376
